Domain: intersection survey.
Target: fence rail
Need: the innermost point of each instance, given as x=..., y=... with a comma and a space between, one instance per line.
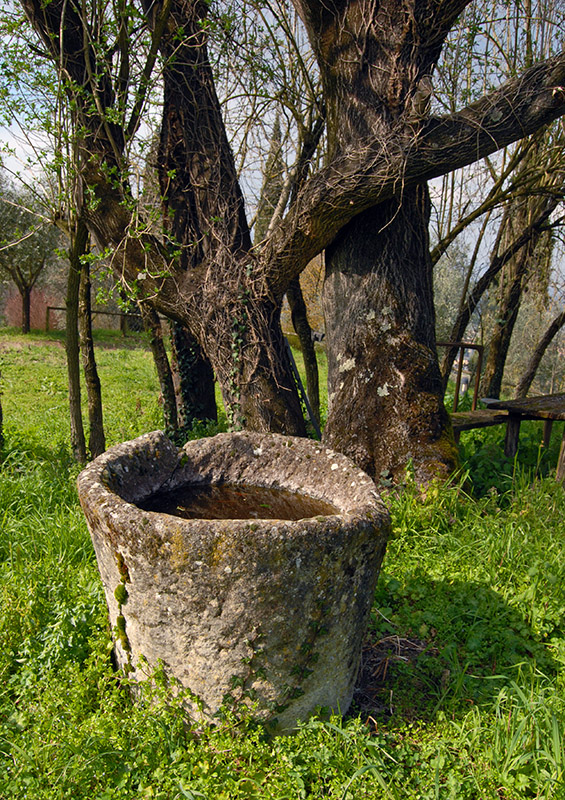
x=49, y=309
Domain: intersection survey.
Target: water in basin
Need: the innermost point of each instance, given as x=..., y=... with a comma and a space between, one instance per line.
x=197, y=501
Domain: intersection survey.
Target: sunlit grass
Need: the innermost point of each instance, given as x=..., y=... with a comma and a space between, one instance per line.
x=474, y=583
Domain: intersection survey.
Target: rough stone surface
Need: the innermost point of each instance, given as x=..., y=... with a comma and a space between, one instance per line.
x=272, y=612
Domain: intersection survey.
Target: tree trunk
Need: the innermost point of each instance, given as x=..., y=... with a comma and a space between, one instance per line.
x=245, y=343
x=385, y=393
x=206, y=223
x=25, y=293
x=193, y=380
x=530, y=373
x=152, y=325
x=506, y=316
x=72, y=344
x=304, y=332
x=96, y=438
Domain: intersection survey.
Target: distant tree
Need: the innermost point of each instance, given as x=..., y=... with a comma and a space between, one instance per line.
x=540, y=349
x=28, y=245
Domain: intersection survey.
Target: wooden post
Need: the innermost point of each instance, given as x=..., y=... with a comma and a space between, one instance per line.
x=512, y=435
x=560, y=472
x=47, y=310
x=547, y=426
x=458, y=379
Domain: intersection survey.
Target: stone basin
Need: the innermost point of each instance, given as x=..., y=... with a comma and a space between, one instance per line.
x=265, y=613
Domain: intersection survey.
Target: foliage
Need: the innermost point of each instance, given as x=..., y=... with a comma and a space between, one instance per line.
x=492, y=472
x=475, y=586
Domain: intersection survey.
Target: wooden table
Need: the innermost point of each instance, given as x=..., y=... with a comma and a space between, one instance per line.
x=548, y=407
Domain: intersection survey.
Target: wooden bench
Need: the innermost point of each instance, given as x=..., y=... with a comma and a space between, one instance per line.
x=482, y=418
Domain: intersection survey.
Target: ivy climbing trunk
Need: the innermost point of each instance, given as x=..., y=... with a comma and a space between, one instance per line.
x=193, y=379
x=245, y=343
x=234, y=317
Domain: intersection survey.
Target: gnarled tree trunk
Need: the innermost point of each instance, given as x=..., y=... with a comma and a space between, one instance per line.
x=385, y=403
x=237, y=327
x=385, y=394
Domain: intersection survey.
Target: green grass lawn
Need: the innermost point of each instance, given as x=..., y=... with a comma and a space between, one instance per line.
x=463, y=687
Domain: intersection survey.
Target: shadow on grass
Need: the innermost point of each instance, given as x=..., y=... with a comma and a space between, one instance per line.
x=21, y=452
x=463, y=644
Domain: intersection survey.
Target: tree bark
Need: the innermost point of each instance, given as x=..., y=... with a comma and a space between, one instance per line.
x=72, y=344
x=152, y=325
x=96, y=438
x=206, y=222
x=304, y=331
x=385, y=394
x=193, y=380
x=530, y=372
x=506, y=316
x=244, y=341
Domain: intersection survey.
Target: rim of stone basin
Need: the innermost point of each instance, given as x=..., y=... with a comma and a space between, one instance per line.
x=132, y=472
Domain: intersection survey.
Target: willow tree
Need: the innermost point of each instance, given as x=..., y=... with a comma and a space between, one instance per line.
x=368, y=207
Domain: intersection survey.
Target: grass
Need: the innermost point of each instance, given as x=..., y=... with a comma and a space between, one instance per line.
x=463, y=690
